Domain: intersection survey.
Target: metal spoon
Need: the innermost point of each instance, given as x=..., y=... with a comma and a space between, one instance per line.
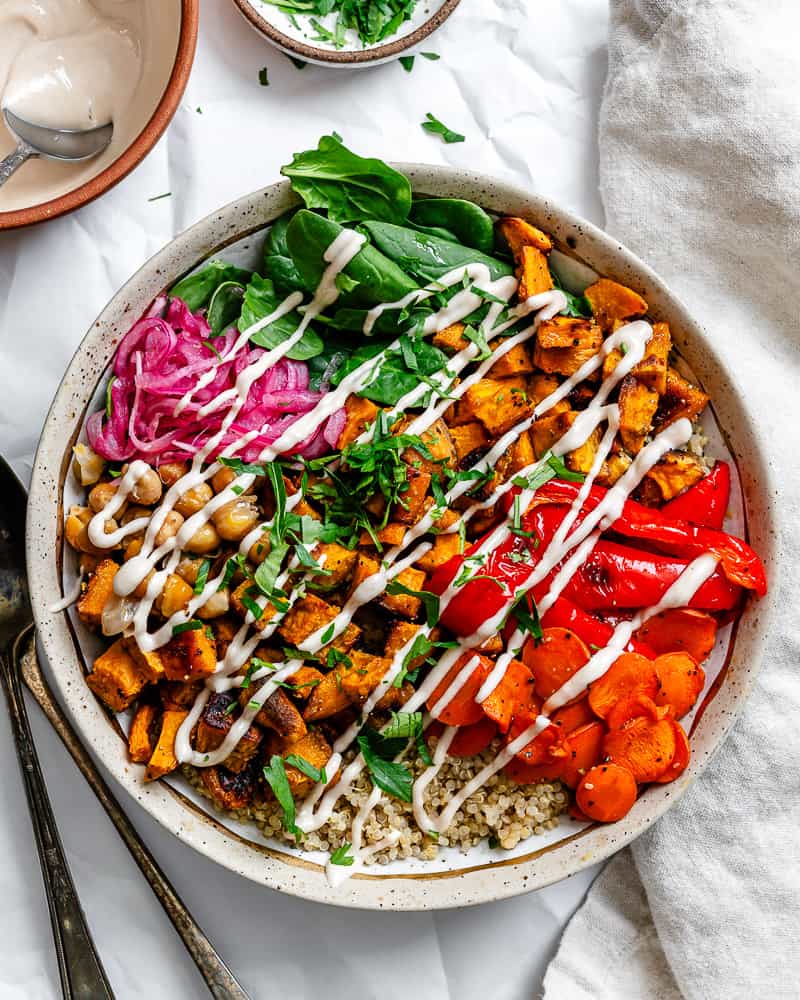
x=81, y=972
x=69, y=145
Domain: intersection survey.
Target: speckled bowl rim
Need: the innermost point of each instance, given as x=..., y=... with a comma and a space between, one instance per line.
x=346, y=57
x=266, y=865
x=133, y=155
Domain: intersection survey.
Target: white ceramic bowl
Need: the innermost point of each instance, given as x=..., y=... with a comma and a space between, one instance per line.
x=455, y=879
x=297, y=39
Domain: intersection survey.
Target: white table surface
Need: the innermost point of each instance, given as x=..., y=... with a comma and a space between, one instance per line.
x=522, y=80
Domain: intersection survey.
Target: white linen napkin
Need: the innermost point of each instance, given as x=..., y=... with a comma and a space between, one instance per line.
x=700, y=175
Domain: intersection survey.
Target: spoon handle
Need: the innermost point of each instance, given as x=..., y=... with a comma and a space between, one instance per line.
x=220, y=980
x=82, y=974
x=14, y=161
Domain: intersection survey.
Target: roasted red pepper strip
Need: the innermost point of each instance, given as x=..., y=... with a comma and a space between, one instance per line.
x=588, y=628
x=618, y=576
x=680, y=538
x=706, y=502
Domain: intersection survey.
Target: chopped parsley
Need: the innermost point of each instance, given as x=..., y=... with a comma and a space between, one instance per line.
x=202, y=576
x=191, y=626
x=317, y=774
x=275, y=776
x=341, y=855
x=433, y=125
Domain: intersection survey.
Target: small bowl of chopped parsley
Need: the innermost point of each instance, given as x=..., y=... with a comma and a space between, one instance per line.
x=346, y=32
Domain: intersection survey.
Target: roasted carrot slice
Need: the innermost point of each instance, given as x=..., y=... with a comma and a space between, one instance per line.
x=631, y=708
x=573, y=716
x=531, y=774
x=629, y=675
x=559, y=654
x=462, y=710
x=511, y=695
x=548, y=745
x=577, y=814
x=606, y=792
x=682, y=756
x=680, y=630
x=681, y=680
x=472, y=740
x=646, y=747
x=584, y=749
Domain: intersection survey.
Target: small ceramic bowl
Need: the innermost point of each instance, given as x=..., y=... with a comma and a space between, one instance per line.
x=164, y=81
x=452, y=879
x=297, y=38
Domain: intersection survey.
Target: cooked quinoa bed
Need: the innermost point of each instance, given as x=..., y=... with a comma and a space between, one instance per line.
x=501, y=810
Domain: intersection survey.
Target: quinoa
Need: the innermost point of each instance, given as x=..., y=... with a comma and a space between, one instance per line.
x=500, y=810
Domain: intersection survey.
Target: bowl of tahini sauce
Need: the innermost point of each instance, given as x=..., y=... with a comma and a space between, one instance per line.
x=77, y=64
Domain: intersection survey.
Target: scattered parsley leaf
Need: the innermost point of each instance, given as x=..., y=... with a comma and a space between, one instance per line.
x=316, y=774
x=191, y=626
x=407, y=62
x=242, y=468
x=436, y=127
x=392, y=777
x=341, y=856
x=406, y=725
x=263, y=76
x=429, y=600
x=275, y=775
x=202, y=576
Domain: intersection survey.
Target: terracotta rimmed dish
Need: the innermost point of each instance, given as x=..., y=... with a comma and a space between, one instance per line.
x=177, y=73
x=276, y=27
x=455, y=879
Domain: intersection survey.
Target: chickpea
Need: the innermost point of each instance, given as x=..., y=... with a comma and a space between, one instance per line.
x=188, y=569
x=76, y=531
x=134, y=512
x=101, y=495
x=204, y=540
x=218, y=604
x=170, y=527
x=222, y=479
x=148, y=489
x=235, y=519
x=171, y=472
x=141, y=589
x=174, y=597
x=194, y=500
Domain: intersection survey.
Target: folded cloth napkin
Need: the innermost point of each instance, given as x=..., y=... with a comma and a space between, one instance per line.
x=700, y=175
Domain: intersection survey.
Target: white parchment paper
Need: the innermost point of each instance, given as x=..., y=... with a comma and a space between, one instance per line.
x=522, y=81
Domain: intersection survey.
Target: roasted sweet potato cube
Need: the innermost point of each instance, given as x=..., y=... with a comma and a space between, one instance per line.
x=224, y=630
x=405, y=604
x=305, y=617
x=681, y=399
x=468, y=439
x=313, y=747
x=163, y=759
x=115, y=677
x=612, y=468
x=520, y=454
x=611, y=301
x=445, y=544
x=190, y=655
x=99, y=591
x=400, y=634
x=149, y=663
x=564, y=343
x=547, y=430
x=451, y=340
x=494, y=644
x=360, y=414
x=499, y=404
x=637, y=407
x=676, y=472
x=343, y=642
x=143, y=733
x=362, y=676
x=652, y=369
x=437, y=441
x=246, y=599
x=231, y=790
x=519, y=233
x=390, y=535
x=410, y=505
x=517, y=361
x=280, y=714
x=338, y=564
x=328, y=697
x=541, y=385
x=303, y=682
x=213, y=727
x=178, y=694
x=366, y=567
x=582, y=458
x=532, y=272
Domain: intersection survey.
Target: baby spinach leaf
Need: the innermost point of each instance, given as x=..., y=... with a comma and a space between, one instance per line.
x=467, y=221
x=392, y=777
x=350, y=187
x=225, y=306
x=196, y=289
x=260, y=299
x=428, y=256
x=378, y=278
x=394, y=378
